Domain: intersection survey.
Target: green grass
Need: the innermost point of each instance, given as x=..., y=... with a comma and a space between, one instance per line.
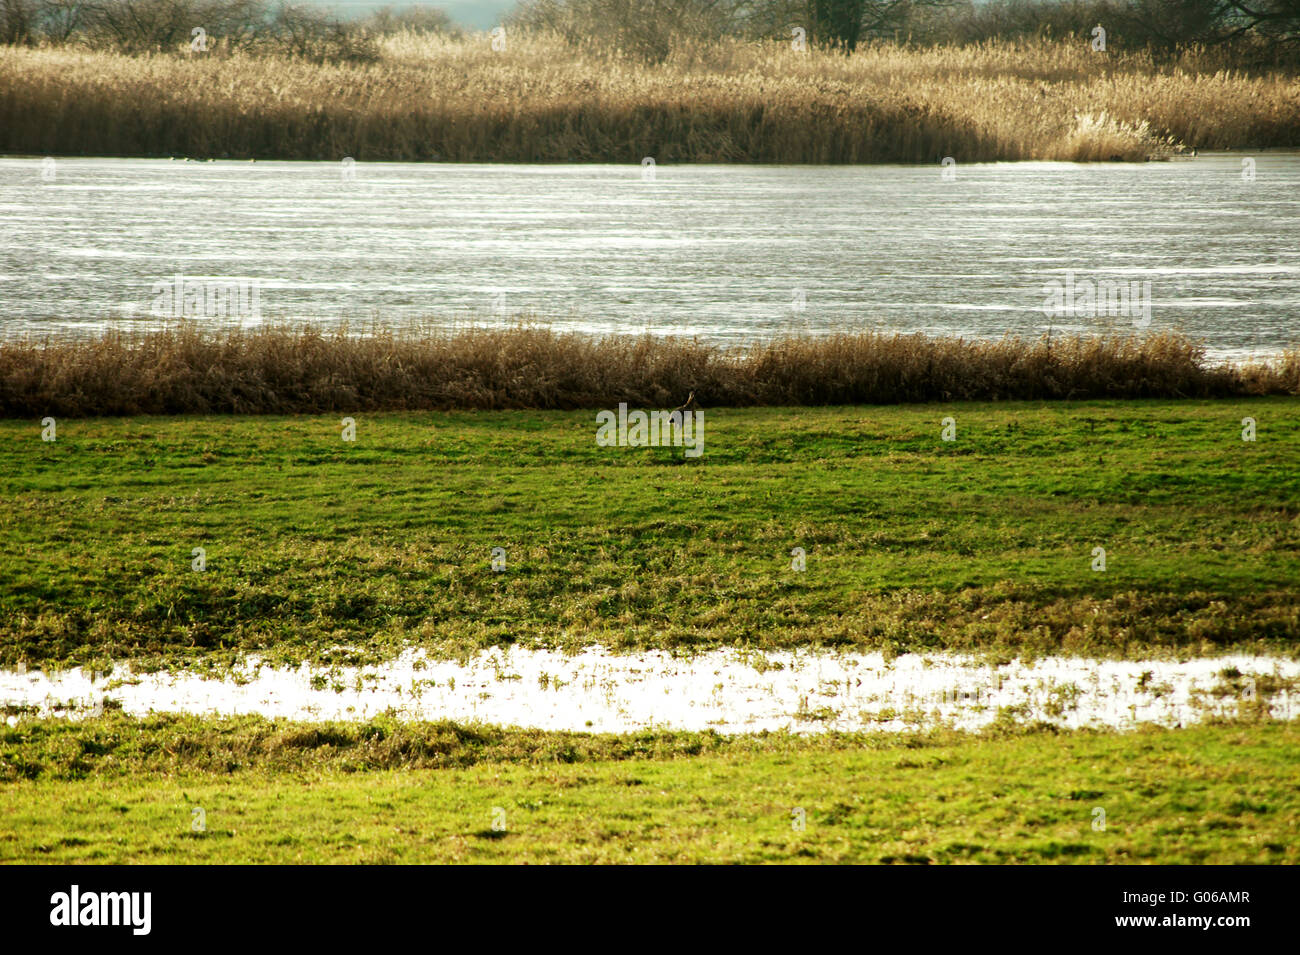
x=120, y=791
x=335, y=552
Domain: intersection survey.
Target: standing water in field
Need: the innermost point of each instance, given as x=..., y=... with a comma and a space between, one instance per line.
x=727, y=691
x=728, y=253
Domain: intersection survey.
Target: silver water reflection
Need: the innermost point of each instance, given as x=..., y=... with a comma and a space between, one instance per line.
x=728, y=253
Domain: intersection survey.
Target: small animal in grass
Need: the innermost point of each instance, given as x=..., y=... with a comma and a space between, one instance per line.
x=688, y=406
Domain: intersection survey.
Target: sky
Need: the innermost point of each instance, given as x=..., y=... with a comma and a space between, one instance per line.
x=474, y=14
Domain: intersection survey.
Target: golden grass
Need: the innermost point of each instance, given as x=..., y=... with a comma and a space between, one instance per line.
x=286, y=370
x=430, y=97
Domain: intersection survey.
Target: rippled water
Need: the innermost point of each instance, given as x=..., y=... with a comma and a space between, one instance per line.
x=726, y=690
x=723, y=252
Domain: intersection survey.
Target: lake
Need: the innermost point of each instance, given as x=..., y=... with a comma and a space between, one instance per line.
x=731, y=254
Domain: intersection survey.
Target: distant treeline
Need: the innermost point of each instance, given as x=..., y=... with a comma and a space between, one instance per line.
x=1262, y=31
x=1259, y=32
x=255, y=26
x=305, y=371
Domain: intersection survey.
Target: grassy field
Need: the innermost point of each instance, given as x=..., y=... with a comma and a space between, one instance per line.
x=543, y=100
x=340, y=552
x=319, y=549
x=114, y=791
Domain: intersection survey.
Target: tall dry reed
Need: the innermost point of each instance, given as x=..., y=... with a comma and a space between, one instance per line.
x=296, y=370
x=543, y=100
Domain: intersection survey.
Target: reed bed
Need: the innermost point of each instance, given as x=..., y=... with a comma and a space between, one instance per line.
x=303, y=370
x=544, y=100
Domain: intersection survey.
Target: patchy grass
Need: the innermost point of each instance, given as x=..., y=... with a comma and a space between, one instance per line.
x=323, y=550
x=297, y=793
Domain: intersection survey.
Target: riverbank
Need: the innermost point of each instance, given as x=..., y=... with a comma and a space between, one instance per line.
x=190, y=369
x=541, y=100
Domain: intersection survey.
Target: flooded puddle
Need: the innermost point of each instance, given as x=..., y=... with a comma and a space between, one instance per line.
x=728, y=691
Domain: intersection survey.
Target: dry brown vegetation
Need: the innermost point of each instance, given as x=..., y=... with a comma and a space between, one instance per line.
x=187, y=370
x=430, y=97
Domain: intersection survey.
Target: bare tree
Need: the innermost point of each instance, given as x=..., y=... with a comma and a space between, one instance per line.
x=60, y=20
x=418, y=19
x=645, y=29
x=1170, y=24
x=15, y=21
x=310, y=33
x=136, y=25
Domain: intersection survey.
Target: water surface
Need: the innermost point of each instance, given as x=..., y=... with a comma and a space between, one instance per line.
x=727, y=253
x=728, y=691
